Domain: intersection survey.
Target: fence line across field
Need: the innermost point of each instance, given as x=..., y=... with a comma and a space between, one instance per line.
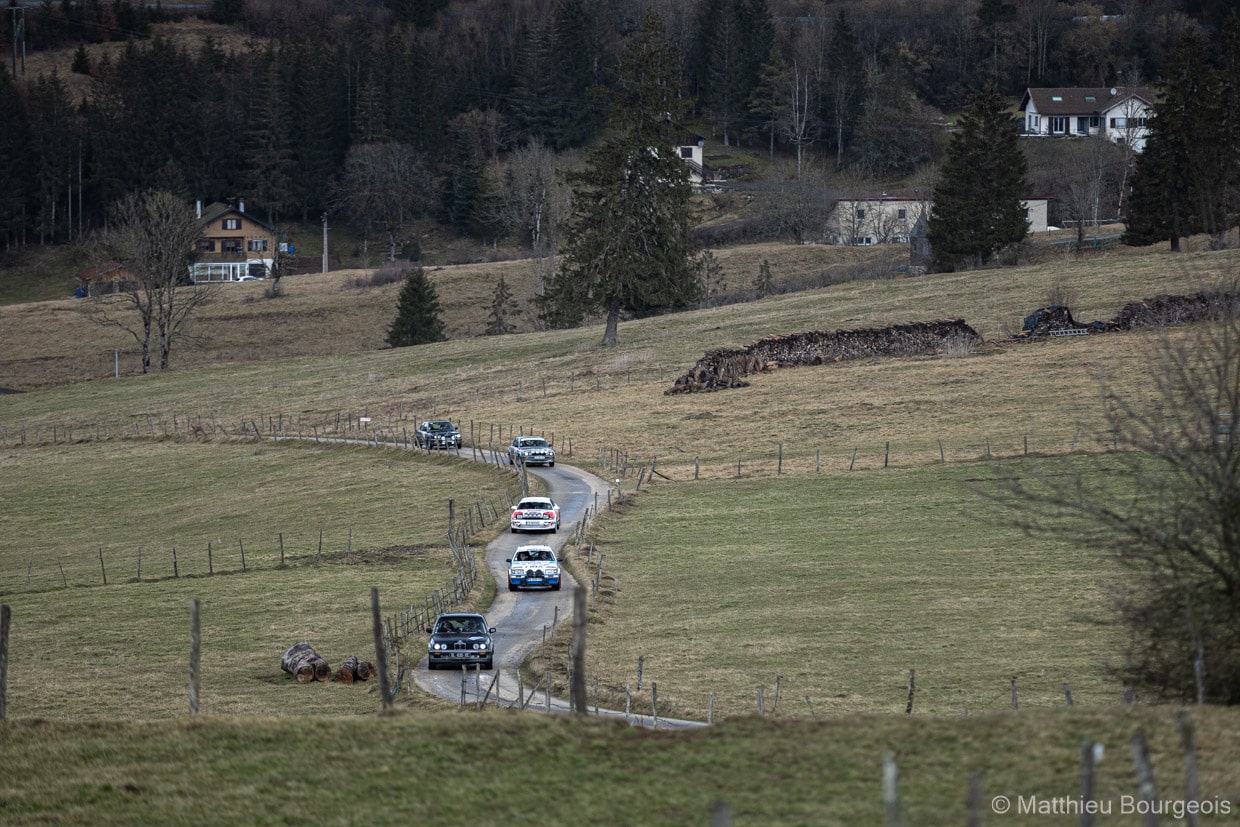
x=488, y=441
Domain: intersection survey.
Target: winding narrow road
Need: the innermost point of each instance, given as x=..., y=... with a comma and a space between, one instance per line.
x=522, y=618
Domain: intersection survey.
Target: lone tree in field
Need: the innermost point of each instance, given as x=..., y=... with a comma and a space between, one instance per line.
x=502, y=307
x=1167, y=510
x=626, y=244
x=153, y=234
x=417, y=313
x=978, y=207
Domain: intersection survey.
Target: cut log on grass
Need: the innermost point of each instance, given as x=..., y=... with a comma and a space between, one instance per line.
x=355, y=670
x=302, y=662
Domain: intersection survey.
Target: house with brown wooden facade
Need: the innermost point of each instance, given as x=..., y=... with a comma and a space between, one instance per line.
x=233, y=245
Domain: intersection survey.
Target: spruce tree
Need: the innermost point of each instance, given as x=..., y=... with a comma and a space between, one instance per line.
x=1187, y=178
x=417, y=313
x=978, y=207
x=502, y=307
x=626, y=246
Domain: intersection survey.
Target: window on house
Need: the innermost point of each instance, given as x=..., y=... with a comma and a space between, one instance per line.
x=860, y=215
x=206, y=245
x=230, y=245
x=257, y=245
x=1059, y=124
x=232, y=223
x=902, y=214
x=1095, y=121
x=686, y=152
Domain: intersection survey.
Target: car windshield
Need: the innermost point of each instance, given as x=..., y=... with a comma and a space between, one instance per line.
x=533, y=443
x=540, y=554
x=539, y=504
x=439, y=426
x=459, y=626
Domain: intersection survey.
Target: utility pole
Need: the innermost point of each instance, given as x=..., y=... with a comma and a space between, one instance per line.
x=324, y=242
x=19, y=36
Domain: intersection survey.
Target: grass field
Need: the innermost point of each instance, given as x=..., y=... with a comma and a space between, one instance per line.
x=452, y=769
x=836, y=582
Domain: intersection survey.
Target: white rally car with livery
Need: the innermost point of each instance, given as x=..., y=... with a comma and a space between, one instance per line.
x=533, y=567
x=535, y=514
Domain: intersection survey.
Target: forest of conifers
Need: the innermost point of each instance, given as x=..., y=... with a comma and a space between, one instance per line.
x=457, y=84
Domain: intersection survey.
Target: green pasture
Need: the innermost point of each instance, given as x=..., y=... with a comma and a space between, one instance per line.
x=837, y=586
x=76, y=514
x=470, y=767
x=132, y=502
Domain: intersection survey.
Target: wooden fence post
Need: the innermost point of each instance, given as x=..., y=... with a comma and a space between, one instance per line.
x=1088, y=761
x=908, y=707
x=578, y=691
x=6, y=619
x=195, y=655
x=1014, y=701
x=1192, y=791
x=891, y=792
x=1145, y=778
x=381, y=662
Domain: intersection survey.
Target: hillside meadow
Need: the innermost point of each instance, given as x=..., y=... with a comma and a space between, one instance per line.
x=808, y=540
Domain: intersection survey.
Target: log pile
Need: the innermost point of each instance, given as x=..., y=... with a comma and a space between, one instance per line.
x=302, y=662
x=724, y=368
x=354, y=670
x=1168, y=310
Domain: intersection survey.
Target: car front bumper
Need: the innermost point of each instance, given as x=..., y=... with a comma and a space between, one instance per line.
x=533, y=525
x=530, y=582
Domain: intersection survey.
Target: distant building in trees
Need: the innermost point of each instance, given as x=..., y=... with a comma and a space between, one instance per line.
x=1120, y=114
x=892, y=219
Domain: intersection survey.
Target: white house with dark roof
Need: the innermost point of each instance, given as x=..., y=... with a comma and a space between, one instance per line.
x=1120, y=114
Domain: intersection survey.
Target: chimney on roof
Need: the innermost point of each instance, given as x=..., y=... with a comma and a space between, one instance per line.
x=199, y=209
x=241, y=206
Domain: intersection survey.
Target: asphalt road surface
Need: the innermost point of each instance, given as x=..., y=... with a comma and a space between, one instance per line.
x=522, y=618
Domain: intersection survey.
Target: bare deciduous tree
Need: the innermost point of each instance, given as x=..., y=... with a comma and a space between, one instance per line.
x=797, y=122
x=1166, y=508
x=384, y=184
x=153, y=233
x=535, y=200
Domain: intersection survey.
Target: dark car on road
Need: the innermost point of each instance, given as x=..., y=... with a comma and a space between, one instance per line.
x=437, y=433
x=459, y=639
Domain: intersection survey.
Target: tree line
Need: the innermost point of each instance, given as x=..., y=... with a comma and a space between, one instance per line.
x=453, y=91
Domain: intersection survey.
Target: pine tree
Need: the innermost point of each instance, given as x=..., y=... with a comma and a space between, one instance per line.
x=978, y=207
x=1187, y=178
x=15, y=169
x=626, y=246
x=502, y=307
x=845, y=89
x=417, y=313
x=764, y=284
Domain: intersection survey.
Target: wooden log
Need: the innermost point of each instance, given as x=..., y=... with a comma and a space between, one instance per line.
x=365, y=670
x=302, y=662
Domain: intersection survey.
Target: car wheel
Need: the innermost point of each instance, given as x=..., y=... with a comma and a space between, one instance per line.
x=514, y=531
x=489, y=663
x=556, y=587
x=430, y=665
x=555, y=528
x=551, y=464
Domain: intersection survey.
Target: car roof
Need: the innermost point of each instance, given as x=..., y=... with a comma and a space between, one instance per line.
x=535, y=547
x=535, y=500
x=460, y=614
